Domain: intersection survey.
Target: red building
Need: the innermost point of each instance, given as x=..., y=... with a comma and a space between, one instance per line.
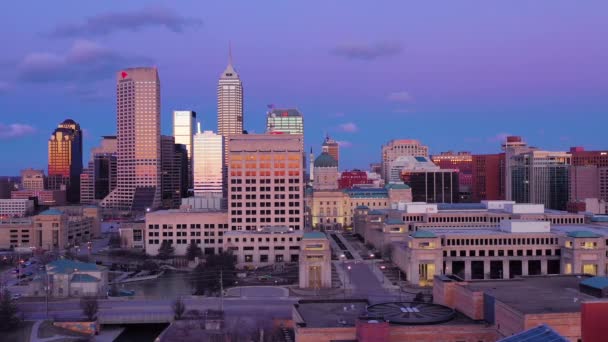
x=488, y=177
x=348, y=179
x=580, y=157
x=588, y=174
x=463, y=163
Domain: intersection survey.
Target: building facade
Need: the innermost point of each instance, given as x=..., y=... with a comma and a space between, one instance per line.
x=65, y=159
x=541, y=177
x=349, y=179
x=463, y=163
x=33, y=179
x=230, y=118
x=138, y=139
x=171, y=173
x=208, y=157
x=16, y=207
x=43, y=197
x=99, y=178
x=400, y=148
x=265, y=181
x=488, y=177
x=287, y=121
x=332, y=147
x=325, y=172
x=512, y=146
x=183, y=131
x=588, y=175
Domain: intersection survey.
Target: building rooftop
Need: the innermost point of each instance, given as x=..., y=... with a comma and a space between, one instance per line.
x=536, y=294
x=314, y=235
x=366, y=192
x=278, y=112
x=331, y=313
x=393, y=221
x=361, y=207
x=376, y=212
x=397, y=186
x=84, y=278
x=423, y=234
x=69, y=266
x=325, y=160
x=266, y=230
x=596, y=282
x=583, y=234
x=51, y=211
x=542, y=333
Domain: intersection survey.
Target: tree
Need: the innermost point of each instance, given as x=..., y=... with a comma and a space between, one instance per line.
x=8, y=312
x=150, y=265
x=193, y=251
x=166, y=251
x=206, y=277
x=179, y=308
x=419, y=297
x=89, y=306
x=114, y=240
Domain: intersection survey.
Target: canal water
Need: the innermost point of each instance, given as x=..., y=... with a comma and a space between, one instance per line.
x=169, y=285
x=141, y=332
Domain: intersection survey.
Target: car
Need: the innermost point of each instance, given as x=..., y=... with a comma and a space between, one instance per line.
x=16, y=296
x=28, y=263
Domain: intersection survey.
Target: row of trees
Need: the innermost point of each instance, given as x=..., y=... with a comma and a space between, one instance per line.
x=167, y=251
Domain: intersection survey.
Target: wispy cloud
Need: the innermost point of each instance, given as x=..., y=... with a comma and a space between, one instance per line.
x=344, y=143
x=349, y=127
x=367, y=52
x=400, y=96
x=85, y=61
x=109, y=22
x=15, y=130
x=500, y=137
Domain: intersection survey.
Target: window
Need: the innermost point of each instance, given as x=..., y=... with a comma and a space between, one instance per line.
x=263, y=257
x=248, y=258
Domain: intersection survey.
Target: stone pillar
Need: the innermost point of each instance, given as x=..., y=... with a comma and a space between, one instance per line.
x=505, y=269
x=524, y=267
x=543, y=266
x=486, y=269
x=467, y=270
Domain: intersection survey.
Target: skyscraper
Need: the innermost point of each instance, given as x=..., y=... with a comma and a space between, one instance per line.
x=65, y=159
x=138, y=128
x=512, y=146
x=463, y=162
x=229, y=102
x=99, y=178
x=183, y=132
x=488, y=177
x=400, y=148
x=331, y=146
x=208, y=163
x=171, y=171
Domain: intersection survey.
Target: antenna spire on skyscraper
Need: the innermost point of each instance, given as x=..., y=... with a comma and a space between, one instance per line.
x=230, y=52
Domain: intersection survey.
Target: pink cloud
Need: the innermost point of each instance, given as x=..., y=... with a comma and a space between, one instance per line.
x=15, y=130
x=344, y=143
x=349, y=127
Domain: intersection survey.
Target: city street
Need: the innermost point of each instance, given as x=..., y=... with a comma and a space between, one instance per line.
x=362, y=283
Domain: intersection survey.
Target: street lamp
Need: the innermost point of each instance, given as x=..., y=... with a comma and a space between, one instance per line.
x=372, y=257
x=381, y=272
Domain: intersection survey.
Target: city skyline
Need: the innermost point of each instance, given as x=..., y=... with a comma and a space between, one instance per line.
x=342, y=83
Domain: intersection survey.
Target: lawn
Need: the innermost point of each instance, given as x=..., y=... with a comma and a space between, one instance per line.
x=20, y=334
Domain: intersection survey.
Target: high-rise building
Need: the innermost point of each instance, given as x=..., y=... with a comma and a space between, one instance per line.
x=400, y=148
x=183, y=132
x=488, y=175
x=229, y=103
x=332, y=148
x=541, y=177
x=183, y=164
x=170, y=180
x=32, y=179
x=512, y=146
x=65, y=159
x=463, y=163
x=99, y=178
x=429, y=183
x=588, y=174
x=138, y=138
x=265, y=181
x=208, y=163
x=289, y=121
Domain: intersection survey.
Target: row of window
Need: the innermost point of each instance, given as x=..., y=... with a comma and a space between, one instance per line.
x=500, y=253
x=192, y=226
x=499, y=242
x=277, y=258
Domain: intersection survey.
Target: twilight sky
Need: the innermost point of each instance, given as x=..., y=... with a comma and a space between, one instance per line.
x=457, y=75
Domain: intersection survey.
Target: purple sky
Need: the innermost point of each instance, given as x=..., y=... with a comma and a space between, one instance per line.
x=458, y=76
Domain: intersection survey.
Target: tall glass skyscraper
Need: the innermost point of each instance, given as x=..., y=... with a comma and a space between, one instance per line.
x=65, y=159
x=208, y=157
x=138, y=138
x=183, y=132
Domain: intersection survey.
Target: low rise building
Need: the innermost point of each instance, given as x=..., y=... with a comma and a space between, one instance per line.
x=315, y=261
x=270, y=245
x=181, y=227
x=16, y=207
x=69, y=278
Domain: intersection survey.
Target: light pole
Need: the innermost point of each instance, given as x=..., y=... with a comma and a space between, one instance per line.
x=373, y=266
x=342, y=257
x=382, y=273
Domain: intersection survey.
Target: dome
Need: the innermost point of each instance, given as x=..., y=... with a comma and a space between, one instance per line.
x=325, y=160
x=69, y=122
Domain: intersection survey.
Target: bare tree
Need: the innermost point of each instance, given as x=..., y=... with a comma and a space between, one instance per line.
x=179, y=308
x=89, y=306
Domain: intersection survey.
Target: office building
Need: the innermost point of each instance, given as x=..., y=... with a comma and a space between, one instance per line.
x=265, y=181
x=429, y=183
x=588, y=175
x=488, y=177
x=99, y=178
x=400, y=148
x=33, y=179
x=332, y=148
x=138, y=139
x=541, y=177
x=512, y=146
x=287, y=121
x=171, y=173
x=264, y=247
x=7, y=184
x=183, y=132
x=65, y=159
x=182, y=163
x=42, y=197
x=349, y=179
x=230, y=119
x=463, y=163
x=325, y=172
x=208, y=159
x=16, y=207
